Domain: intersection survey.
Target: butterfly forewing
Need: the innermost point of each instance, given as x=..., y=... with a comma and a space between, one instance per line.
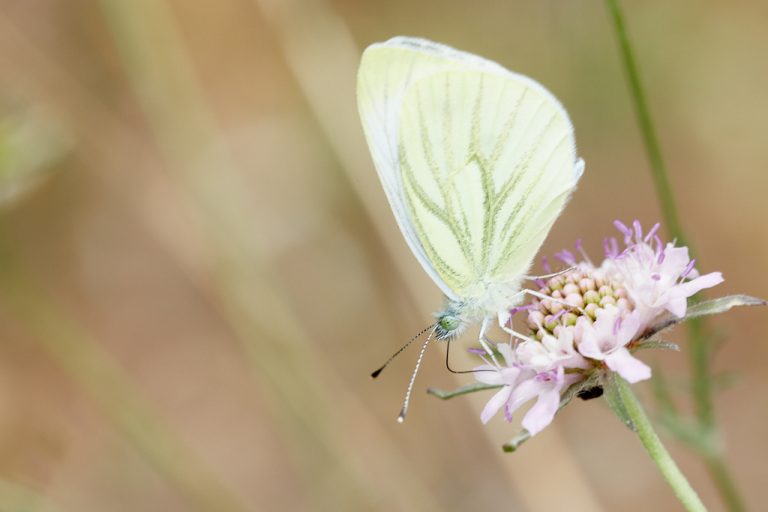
x=387, y=70
x=482, y=155
x=477, y=162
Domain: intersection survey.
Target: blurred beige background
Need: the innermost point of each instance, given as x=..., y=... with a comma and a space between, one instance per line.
x=216, y=253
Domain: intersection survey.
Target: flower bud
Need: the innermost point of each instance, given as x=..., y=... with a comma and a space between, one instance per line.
x=575, y=299
x=570, y=288
x=592, y=297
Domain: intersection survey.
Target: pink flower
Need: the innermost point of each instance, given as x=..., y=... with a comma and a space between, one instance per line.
x=506, y=376
x=546, y=387
x=551, y=352
x=657, y=279
x=585, y=319
x=520, y=384
x=606, y=339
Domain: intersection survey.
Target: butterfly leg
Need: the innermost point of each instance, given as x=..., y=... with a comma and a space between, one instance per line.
x=505, y=323
x=517, y=335
x=547, y=276
x=505, y=318
x=485, y=342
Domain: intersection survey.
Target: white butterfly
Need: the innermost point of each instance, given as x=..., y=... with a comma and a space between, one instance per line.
x=477, y=163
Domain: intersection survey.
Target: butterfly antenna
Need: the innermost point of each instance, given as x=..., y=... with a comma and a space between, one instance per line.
x=401, y=416
x=377, y=372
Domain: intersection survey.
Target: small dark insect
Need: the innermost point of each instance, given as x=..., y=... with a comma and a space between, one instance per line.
x=590, y=393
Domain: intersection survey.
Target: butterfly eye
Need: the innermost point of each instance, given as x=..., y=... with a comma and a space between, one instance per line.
x=449, y=323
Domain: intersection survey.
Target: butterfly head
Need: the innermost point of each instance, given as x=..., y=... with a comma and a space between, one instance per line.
x=450, y=322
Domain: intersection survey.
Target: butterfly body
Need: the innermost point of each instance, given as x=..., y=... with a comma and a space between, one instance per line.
x=493, y=297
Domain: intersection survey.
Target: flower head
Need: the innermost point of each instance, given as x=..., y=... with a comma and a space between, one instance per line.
x=606, y=339
x=658, y=277
x=521, y=383
x=589, y=319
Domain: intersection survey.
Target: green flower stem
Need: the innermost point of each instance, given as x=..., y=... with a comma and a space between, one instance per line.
x=656, y=450
x=700, y=347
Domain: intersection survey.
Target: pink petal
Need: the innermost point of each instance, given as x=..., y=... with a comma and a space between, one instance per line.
x=677, y=302
x=505, y=349
x=496, y=402
x=545, y=408
x=705, y=281
x=675, y=260
x=524, y=392
x=677, y=306
x=630, y=324
x=606, y=318
x=571, y=378
x=629, y=367
x=575, y=361
x=488, y=374
x=588, y=346
x=542, y=412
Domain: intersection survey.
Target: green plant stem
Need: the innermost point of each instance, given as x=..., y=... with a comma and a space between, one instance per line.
x=650, y=140
x=725, y=484
x=656, y=450
x=700, y=347
x=701, y=377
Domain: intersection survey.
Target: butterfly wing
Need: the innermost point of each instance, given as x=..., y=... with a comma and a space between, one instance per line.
x=477, y=162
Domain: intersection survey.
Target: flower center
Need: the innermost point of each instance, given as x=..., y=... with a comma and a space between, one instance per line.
x=582, y=292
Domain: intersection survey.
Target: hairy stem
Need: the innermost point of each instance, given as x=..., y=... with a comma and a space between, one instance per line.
x=656, y=450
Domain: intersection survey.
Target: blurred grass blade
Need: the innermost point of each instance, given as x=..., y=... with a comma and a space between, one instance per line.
x=660, y=387
x=97, y=374
x=650, y=139
x=308, y=402
x=31, y=142
x=15, y=497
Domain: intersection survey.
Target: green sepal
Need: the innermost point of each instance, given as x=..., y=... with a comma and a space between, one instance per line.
x=614, y=400
x=463, y=390
x=569, y=394
x=705, y=308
